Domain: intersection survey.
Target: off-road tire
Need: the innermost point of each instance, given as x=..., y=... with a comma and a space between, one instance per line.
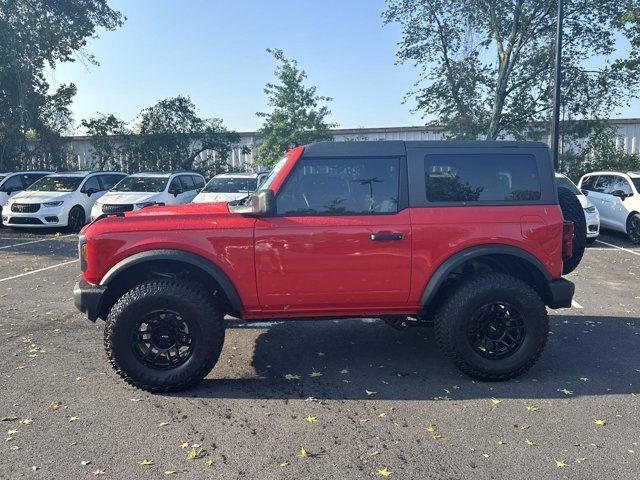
x=183, y=297
x=452, y=321
x=633, y=228
x=572, y=211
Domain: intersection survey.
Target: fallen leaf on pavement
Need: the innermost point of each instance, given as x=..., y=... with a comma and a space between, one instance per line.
x=384, y=472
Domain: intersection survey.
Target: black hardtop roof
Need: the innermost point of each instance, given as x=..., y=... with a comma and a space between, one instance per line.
x=394, y=148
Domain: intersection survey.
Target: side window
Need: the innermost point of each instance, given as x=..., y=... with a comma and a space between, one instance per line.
x=199, y=181
x=108, y=181
x=92, y=184
x=187, y=183
x=622, y=185
x=481, y=177
x=604, y=184
x=341, y=186
x=13, y=183
x=588, y=183
x=175, y=185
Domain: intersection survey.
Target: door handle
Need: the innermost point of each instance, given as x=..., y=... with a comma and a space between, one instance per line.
x=379, y=237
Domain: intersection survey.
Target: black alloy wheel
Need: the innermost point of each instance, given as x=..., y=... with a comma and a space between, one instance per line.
x=163, y=339
x=633, y=228
x=76, y=219
x=496, y=330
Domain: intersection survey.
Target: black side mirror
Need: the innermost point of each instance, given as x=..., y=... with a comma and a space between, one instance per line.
x=176, y=192
x=90, y=191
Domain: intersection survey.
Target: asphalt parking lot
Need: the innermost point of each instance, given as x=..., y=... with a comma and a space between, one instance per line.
x=369, y=399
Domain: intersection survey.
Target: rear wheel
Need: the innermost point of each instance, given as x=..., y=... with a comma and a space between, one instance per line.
x=572, y=211
x=77, y=219
x=164, y=336
x=493, y=327
x=633, y=228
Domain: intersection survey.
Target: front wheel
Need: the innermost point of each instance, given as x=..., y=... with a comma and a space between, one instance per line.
x=164, y=335
x=77, y=219
x=493, y=327
x=633, y=228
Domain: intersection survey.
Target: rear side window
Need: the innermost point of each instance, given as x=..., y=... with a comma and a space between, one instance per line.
x=341, y=186
x=604, y=184
x=588, y=183
x=481, y=178
x=199, y=181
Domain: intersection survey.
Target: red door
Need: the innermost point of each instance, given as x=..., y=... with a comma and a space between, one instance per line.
x=341, y=261
x=338, y=241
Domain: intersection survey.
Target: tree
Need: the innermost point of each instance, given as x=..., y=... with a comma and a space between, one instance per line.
x=34, y=35
x=297, y=117
x=167, y=136
x=486, y=64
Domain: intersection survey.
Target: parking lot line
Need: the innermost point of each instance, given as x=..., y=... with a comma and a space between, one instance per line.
x=575, y=304
x=36, y=241
x=38, y=270
x=619, y=248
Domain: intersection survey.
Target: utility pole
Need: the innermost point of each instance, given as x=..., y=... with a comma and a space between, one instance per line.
x=555, y=122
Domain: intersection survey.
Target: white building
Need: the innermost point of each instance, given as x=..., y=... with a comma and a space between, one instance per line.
x=628, y=138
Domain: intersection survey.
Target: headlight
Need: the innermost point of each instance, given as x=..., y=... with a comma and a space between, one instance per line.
x=52, y=204
x=590, y=209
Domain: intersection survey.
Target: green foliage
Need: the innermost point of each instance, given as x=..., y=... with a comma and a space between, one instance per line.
x=167, y=136
x=600, y=152
x=297, y=117
x=486, y=64
x=34, y=35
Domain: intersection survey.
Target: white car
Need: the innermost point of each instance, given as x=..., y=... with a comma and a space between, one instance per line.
x=59, y=200
x=617, y=197
x=591, y=214
x=230, y=186
x=12, y=183
x=145, y=189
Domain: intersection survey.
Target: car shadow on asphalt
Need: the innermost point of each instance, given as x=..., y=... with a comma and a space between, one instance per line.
x=356, y=360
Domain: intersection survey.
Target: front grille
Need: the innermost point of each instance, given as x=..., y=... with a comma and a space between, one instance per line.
x=112, y=208
x=25, y=221
x=25, y=207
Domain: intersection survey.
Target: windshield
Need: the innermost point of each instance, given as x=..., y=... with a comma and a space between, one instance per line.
x=54, y=183
x=231, y=185
x=141, y=184
x=568, y=184
x=267, y=183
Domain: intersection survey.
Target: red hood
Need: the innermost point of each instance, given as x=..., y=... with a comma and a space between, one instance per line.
x=172, y=218
x=185, y=209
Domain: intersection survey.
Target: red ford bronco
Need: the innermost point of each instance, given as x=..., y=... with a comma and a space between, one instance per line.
x=468, y=236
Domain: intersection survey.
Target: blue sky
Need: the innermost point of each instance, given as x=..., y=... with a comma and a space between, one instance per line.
x=214, y=52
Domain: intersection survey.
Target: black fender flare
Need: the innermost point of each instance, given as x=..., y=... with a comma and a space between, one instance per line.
x=458, y=258
x=182, y=256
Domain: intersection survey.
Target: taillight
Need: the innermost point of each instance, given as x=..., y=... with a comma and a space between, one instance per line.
x=567, y=239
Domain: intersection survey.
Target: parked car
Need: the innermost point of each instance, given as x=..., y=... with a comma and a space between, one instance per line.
x=469, y=234
x=141, y=190
x=59, y=200
x=227, y=187
x=590, y=211
x=12, y=183
x=616, y=196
